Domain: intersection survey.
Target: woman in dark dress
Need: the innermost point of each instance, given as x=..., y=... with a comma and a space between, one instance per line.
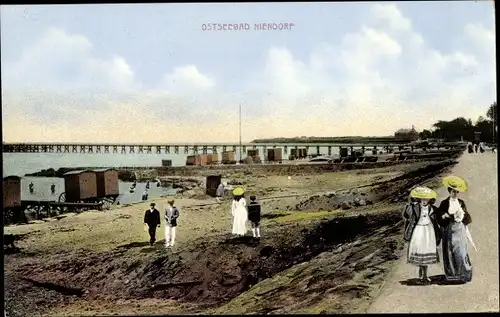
x=454, y=218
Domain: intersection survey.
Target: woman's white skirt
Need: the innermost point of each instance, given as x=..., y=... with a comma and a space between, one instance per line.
x=240, y=222
x=422, y=249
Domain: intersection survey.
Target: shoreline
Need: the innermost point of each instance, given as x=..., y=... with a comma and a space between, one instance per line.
x=299, y=166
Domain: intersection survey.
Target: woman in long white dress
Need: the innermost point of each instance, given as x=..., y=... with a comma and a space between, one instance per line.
x=239, y=212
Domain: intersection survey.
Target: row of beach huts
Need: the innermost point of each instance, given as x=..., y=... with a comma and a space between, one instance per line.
x=274, y=155
x=81, y=185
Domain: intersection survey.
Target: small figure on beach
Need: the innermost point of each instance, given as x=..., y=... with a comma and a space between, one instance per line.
x=481, y=147
x=254, y=216
x=239, y=212
x=152, y=221
x=454, y=218
x=422, y=230
x=475, y=148
x=131, y=189
x=32, y=188
x=158, y=182
x=134, y=184
x=219, y=192
x=470, y=147
x=147, y=185
x=53, y=189
x=171, y=216
x=145, y=195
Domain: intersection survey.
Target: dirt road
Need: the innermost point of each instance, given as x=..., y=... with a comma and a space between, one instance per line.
x=481, y=295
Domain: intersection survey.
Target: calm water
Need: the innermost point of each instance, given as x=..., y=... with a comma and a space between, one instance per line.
x=41, y=186
x=24, y=163
x=20, y=164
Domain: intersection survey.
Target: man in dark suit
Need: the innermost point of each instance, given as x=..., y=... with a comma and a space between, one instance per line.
x=152, y=219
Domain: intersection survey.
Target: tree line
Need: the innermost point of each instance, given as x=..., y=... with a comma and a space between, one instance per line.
x=462, y=128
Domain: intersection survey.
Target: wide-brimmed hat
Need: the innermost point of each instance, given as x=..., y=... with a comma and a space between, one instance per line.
x=152, y=204
x=456, y=183
x=238, y=191
x=423, y=193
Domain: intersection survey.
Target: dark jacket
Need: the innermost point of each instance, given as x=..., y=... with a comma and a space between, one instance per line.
x=443, y=209
x=411, y=214
x=152, y=218
x=254, y=211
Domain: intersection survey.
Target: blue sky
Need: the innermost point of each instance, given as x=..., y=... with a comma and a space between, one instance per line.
x=126, y=72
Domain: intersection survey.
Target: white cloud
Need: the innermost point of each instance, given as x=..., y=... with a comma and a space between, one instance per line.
x=370, y=82
x=187, y=77
x=391, y=14
x=62, y=61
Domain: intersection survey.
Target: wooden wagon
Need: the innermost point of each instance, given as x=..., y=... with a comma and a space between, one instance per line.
x=91, y=186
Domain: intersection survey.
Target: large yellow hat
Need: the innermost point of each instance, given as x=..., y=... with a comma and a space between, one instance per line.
x=456, y=182
x=423, y=193
x=238, y=191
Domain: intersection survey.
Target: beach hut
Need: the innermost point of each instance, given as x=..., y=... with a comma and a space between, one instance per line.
x=11, y=192
x=80, y=185
x=107, y=182
x=213, y=181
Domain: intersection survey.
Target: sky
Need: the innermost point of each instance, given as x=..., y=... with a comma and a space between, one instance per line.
x=164, y=73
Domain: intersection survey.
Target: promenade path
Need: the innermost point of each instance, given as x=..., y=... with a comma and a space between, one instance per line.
x=480, y=295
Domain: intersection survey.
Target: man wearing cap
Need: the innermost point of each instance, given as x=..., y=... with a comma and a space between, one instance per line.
x=171, y=215
x=152, y=219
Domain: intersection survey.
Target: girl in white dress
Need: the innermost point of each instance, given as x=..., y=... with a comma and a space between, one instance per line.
x=422, y=230
x=239, y=212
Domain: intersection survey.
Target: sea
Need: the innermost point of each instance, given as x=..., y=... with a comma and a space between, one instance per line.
x=20, y=164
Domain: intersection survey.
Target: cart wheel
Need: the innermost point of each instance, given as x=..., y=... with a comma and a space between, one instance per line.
x=62, y=198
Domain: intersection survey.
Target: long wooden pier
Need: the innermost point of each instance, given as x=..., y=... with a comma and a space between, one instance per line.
x=195, y=148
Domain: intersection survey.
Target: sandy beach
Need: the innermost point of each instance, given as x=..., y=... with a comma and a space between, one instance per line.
x=319, y=252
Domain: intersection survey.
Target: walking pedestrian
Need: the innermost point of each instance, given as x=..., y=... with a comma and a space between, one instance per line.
x=53, y=189
x=145, y=195
x=470, y=147
x=171, y=216
x=475, y=148
x=152, y=221
x=421, y=230
x=454, y=218
x=239, y=212
x=254, y=216
x=32, y=189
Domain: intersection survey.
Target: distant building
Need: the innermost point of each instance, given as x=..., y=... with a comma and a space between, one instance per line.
x=407, y=134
